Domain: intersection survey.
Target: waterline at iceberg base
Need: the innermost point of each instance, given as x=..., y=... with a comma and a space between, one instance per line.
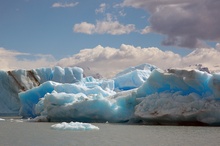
x=143, y=94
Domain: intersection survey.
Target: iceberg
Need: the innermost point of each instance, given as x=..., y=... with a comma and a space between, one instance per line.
x=147, y=67
x=133, y=77
x=180, y=96
x=84, y=105
x=58, y=92
x=9, y=98
x=143, y=94
x=16, y=81
x=176, y=108
x=192, y=81
x=2, y=119
x=75, y=126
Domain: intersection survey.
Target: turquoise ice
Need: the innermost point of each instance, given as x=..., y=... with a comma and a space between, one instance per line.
x=143, y=94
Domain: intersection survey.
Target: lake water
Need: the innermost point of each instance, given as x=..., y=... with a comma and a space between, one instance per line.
x=15, y=133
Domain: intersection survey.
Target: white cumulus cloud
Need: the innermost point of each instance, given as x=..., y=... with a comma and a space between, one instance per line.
x=104, y=27
x=64, y=5
x=101, y=8
x=108, y=61
x=146, y=30
x=84, y=27
x=113, y=27
x=10, y=60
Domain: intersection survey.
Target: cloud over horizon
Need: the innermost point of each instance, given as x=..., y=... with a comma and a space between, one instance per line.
x=9, y=60
x=185, y=23
x=108, y=61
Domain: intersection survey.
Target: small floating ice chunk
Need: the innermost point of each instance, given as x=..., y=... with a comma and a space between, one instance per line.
x=75, y=126
x=19, y=121
x=16, y=120
x=2, y=119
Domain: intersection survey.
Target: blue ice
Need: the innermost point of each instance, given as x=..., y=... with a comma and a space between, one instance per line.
x=138, y=94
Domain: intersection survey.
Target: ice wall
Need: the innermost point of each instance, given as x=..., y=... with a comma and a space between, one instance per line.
x=176, y=108
x=180, y=96
x=86, y=108
x=192, y=81
x=9, y=101
x=172, y=97
x=139, y=94
x=83, y=96
x=16, y=81
x=57, y=91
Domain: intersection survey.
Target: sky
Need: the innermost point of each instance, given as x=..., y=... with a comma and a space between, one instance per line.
x=117, y=33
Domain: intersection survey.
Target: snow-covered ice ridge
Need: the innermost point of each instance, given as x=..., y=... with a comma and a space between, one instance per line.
x=143, y=94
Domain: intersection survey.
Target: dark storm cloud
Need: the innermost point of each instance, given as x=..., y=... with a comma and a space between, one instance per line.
x=186, y=23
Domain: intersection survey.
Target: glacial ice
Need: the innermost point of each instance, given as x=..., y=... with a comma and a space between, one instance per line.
x=16, y=81
x=133, y=77
x=58, y=91
x=91, y=108
x=76, y=126
x=167, y=107
x=143, y=94
x=145, y=67
x=179, y=96
x=2, y=119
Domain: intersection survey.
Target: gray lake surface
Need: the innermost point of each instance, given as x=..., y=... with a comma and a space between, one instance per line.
x=16, y=133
